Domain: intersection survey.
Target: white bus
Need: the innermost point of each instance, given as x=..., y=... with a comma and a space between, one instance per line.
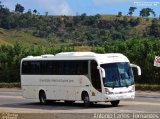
x=78, y=76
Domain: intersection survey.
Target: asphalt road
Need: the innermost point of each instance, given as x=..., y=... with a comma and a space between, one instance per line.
x=12, y=103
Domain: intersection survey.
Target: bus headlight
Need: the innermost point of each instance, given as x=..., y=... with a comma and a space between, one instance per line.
x=132, y=89
x=107, y=91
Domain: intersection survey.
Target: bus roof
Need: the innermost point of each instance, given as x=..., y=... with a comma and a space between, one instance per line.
x=100, y=58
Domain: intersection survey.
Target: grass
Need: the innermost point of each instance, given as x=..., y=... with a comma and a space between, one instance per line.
x=10, y=85
x=23, y=36
x=148, y=87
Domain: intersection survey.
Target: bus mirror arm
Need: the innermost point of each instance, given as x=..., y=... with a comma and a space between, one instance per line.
x=138, y=68
x=102, y=71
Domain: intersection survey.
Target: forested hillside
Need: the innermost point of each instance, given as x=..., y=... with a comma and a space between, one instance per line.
x=29, y=33
x=31, y=27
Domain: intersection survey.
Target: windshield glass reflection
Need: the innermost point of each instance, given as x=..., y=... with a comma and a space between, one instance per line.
x=118, y=75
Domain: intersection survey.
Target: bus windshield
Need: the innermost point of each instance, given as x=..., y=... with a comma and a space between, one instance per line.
x=118, y=75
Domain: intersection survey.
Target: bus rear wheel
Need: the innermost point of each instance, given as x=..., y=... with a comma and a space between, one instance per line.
x=115, y=103
x=42, y=97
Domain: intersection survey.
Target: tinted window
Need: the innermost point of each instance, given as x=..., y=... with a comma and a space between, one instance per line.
x=55, y=67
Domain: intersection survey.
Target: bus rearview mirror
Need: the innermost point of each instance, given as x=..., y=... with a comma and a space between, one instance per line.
x=138, y=68
x=102, y=71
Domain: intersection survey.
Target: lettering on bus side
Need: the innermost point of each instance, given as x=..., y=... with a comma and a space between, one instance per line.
x=57, y=80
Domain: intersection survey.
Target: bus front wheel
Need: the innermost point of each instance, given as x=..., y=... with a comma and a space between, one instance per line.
x=42, y=97
x=86, y=100
x=115, y=103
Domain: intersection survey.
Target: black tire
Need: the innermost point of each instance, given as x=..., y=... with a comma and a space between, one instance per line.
x=69, y=102
x=42, y=98
x=86, y=100
x=115, y=103
x=49, y=101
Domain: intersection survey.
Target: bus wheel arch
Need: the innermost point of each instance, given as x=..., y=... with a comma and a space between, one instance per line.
x=42, y=97
x=85, y=98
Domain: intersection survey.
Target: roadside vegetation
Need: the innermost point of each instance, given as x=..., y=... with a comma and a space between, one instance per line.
x=32, y=28
x=29, y=33
x=139, y=51
x=148, y=87
x=10, y=85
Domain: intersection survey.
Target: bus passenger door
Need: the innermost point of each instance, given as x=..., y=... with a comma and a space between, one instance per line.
x=95, y=79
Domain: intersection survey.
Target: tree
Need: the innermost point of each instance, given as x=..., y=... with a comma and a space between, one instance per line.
x=146, y=12
x=35, y=11
x=119, y=14
x=29, y=11
x=131, y=10
x=1, y=6
x=19, y=8
x=98, y=16
x=155, y=28
x=134, y=22
x=153, y=13
x=83, y=16
x=46, y=13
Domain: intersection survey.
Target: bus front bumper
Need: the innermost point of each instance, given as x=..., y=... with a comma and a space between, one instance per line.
x=119, y=96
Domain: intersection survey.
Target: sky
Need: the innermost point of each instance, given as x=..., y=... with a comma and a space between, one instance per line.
x=78, y=7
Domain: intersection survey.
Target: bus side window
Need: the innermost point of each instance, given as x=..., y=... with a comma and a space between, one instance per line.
x=95, y=76
x=85, y=68
x=25, y=67
x=35, y=67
